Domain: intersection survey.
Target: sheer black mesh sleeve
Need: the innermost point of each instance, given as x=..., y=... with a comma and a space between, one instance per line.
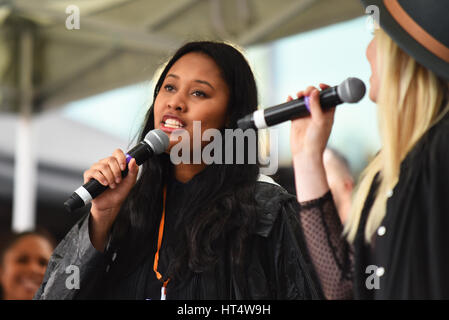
x=331, y=254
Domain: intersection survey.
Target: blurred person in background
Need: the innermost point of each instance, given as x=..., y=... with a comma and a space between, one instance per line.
x=23, y=261
x=398, y=226
x=340, y=180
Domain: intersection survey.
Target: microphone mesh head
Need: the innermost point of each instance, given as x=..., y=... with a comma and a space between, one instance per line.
x=351, y=90
x=158, y=139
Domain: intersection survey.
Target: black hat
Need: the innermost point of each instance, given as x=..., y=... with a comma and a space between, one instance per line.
x=419, y=27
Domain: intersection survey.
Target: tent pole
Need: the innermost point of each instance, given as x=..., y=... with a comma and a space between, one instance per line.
x=25, y=167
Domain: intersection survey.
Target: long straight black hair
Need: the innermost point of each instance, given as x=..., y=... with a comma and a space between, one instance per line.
x=222, y=203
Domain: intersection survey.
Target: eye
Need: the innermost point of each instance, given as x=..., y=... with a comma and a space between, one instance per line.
x=169, y=87
x=22, y=259
x=43, y=262
x=199, y=93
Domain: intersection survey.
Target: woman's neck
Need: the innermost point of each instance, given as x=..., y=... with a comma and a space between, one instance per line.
x=185, y=172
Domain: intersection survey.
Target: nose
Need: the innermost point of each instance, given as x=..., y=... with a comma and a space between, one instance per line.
x=177, y=102
x=36, y=267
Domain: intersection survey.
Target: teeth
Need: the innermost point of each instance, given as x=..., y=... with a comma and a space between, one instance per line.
x=172, y=123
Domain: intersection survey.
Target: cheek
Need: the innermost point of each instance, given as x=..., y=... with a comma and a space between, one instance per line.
x=374, y=79
x=212, y=120
x=216, y=118
x=157, y=116
x=215, y=122
x=374, y=87
x=10, y=275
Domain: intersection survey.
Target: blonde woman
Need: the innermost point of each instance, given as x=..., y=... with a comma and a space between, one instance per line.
x=395, y=242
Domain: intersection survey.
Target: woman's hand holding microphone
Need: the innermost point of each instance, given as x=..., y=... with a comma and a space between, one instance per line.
x=106, y=206
x=308, y=140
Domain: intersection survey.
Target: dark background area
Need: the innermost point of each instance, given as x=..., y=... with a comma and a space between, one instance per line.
x=50, y=216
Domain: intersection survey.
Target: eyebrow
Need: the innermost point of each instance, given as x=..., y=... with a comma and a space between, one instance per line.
x=199, y=81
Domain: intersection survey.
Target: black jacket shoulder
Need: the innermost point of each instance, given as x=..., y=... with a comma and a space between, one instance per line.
x=270, y=199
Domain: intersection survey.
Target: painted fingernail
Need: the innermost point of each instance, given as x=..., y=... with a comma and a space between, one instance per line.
x=117, y=180
x=307, y=103
x=112, y=186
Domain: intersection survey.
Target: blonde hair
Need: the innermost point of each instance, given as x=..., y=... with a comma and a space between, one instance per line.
x=409, y=103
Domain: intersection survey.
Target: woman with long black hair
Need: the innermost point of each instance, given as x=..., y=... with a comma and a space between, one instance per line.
x=190, y=230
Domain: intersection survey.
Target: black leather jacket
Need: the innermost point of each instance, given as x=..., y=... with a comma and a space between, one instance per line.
x=278, y=268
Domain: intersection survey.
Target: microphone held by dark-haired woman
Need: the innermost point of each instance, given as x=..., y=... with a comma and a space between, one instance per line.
x=182, y=229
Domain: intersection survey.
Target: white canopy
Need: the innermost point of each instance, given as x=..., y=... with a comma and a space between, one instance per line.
x=120, y=42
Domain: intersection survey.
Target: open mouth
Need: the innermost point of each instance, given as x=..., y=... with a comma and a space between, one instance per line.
x=170, y=122
x=29, y=284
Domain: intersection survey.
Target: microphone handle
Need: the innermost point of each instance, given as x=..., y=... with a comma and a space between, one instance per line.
x=141, y=152
x=298, y=108
x=92, y=189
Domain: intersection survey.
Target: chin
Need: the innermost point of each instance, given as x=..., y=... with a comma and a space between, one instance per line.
x=373, y=90
x=373, y=96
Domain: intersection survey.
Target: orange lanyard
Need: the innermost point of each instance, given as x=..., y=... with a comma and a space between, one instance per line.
x=159, y=243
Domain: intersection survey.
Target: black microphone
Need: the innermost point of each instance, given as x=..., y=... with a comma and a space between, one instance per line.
x=155, y=142
x=351, y=90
